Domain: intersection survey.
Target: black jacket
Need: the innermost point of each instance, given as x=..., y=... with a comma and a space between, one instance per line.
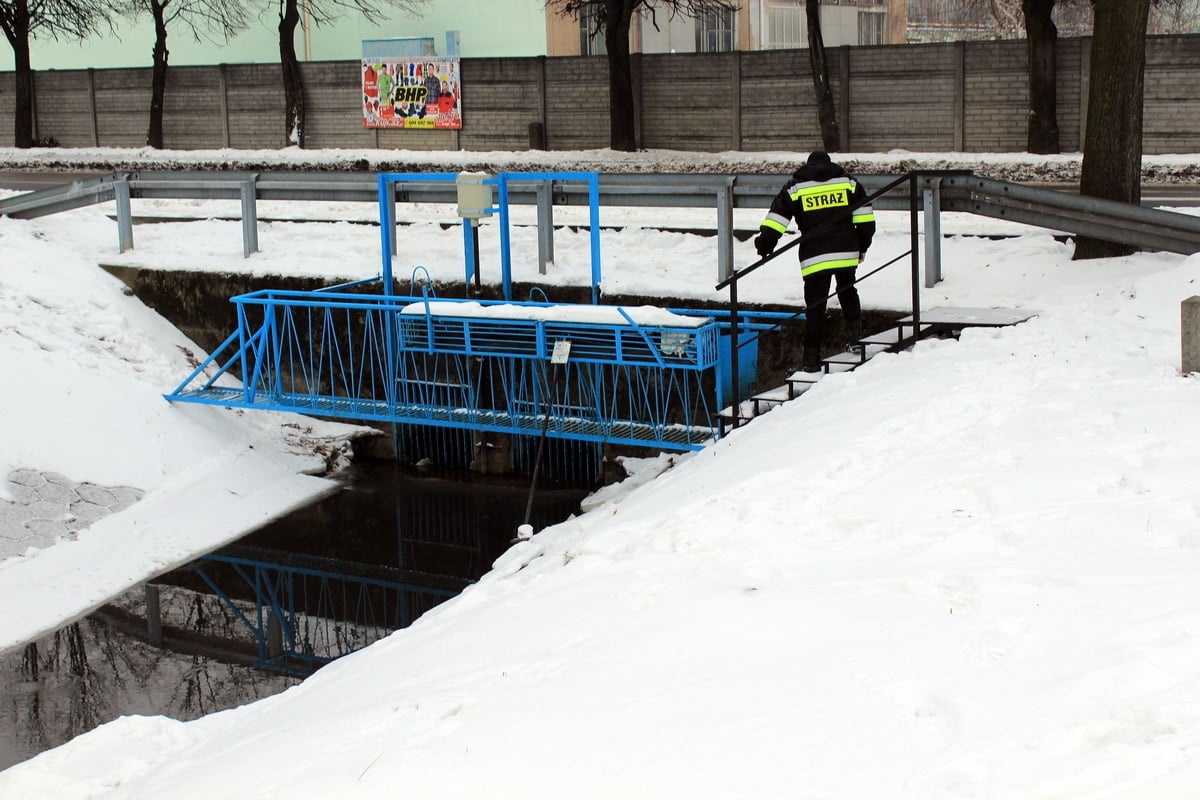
x=819, y=197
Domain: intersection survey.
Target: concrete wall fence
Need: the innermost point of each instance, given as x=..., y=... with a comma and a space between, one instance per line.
x=954, y=97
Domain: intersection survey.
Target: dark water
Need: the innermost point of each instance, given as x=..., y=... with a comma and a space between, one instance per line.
x=430, y=520
x=442, y=523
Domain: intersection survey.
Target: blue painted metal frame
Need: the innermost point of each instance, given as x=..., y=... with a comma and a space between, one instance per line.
x=303, y=618
x=344, y=352
x=387, y=180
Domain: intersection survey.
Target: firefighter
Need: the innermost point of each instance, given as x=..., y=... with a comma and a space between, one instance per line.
x=834, y=241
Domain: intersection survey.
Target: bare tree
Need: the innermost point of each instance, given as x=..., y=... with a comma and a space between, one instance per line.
x=1112, y=148
x=1005, y=18
x=614, y=19
x=203, y=19
x=956, y=20
x=1175, y=16
x=319, y=12
x=831, y=136
x=23, y=20
x=1041, y=36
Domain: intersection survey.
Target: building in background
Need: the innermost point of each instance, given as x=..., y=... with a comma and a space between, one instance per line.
x=755, y=25
x=484, y=28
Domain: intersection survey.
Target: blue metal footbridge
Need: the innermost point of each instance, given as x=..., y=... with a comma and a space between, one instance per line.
x=641, y=376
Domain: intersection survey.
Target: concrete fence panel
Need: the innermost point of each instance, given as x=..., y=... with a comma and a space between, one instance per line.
x=576, y=103
x=968, y=96
x=897, y=101
x=778, y=106
x=689, y=102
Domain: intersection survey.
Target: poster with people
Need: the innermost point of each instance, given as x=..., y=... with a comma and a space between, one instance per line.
x=411, y=93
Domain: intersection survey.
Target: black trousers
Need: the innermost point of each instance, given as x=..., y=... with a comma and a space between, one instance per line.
x=816, y=292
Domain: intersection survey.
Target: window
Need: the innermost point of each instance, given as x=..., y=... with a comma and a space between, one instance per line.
x=591, y=43
x=870, y=27
x=714, y=31
x=785, y=26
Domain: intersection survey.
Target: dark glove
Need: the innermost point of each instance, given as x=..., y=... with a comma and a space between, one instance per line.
x=765, y=245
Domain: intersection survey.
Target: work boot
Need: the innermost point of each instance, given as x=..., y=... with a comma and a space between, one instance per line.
x=854, y=337
x=812, y=361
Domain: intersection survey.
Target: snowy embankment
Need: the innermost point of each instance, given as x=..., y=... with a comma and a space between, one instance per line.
x=85, y=368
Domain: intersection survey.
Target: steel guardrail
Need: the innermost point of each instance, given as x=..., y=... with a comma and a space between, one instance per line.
x=1044, y=208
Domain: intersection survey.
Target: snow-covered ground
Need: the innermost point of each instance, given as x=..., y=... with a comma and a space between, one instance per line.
x=967, y=570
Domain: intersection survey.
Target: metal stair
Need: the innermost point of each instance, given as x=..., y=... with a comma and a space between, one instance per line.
x=937, y=322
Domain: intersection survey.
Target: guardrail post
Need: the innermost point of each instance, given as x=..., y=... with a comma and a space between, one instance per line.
x=545, y=225
x=1190, y=334
x=932, y=197
x=725, y=230
x=124, y=214
x=249, y=217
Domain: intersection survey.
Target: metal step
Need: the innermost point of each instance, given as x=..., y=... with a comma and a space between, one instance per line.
x=896, y=338
x=950, y=318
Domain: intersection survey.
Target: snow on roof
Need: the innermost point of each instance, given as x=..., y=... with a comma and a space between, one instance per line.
x=642, y=316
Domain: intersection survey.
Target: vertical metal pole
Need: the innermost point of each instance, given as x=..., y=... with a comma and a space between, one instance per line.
x=387, y=234
x=545, y=225
x=475, y=257
x=914, y=245
x=249, y=217
x=385, y=231
x=594, y=224
x=470, y=252
x=505, y=241
x=932, y=196
x=733, y=353
x=124, y=214
x=725, y=229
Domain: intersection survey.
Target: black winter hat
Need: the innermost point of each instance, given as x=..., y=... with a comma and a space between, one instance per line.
x=819, y=157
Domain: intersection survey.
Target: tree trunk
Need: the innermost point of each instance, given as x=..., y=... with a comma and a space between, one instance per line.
x=622, y=128
x=293, y=80
x=1041, y=40
x=158, y=82
x=1112, y=150
x=831, y=137
x=22, y=77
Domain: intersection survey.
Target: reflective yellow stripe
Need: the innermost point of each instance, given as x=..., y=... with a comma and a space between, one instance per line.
x=821, y=266
x=860, y=217
x=773, y=225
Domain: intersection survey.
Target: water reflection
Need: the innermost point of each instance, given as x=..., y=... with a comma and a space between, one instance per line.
x=442, y=523
x=87, y=674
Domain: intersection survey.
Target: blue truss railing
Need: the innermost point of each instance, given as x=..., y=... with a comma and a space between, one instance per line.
x=304, y=615
x=633, y=376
